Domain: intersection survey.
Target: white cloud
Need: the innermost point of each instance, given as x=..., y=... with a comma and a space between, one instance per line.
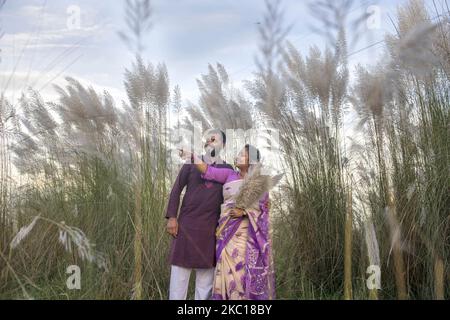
x=61, y=38
x=21, y=81
x=40, y=16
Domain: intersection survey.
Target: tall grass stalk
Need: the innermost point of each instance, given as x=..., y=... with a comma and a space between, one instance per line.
x=348, y=294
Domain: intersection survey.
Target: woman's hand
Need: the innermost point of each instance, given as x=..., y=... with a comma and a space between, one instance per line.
x=237, y=213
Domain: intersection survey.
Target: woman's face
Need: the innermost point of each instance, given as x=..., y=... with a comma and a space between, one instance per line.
x=241, y=160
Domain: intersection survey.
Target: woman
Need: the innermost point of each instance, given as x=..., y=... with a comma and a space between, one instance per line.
x=244, y=267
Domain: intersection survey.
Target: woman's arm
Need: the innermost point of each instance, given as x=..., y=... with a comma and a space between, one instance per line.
x=217, y=174
x=200, y=164
x=209, y=172
x=197, y=161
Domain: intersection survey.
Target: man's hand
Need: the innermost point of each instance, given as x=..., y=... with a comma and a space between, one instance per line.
x=172, y=227
x=185, y=154
x=237, y=213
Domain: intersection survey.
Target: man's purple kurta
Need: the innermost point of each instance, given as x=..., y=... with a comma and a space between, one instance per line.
x=194, y=246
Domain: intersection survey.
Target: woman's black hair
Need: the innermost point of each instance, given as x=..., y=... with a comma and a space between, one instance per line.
x=253, y=154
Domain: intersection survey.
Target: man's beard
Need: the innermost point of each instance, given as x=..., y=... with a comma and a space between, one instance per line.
x=211, y=151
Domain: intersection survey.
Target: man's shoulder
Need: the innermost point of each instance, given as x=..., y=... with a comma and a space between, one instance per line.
x=186, y=167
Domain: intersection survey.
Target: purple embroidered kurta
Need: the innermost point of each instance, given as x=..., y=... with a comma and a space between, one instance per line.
x=194, y=247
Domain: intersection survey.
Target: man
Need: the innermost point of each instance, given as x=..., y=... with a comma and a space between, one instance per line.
x=193, y=245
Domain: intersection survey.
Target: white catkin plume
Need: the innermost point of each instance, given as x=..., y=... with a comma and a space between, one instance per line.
x=64, y=240
x=394, y=229
x=410, y=191
x=221, y=105
x=71, y=235
x=23, y=232
x=110, y=193
x=254, y=186
x=414, y=49
x=373, y=251
x=423, y=216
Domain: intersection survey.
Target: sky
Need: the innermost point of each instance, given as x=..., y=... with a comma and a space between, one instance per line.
x=42, y=43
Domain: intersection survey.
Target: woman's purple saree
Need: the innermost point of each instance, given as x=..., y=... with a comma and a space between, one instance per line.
x=244, y=250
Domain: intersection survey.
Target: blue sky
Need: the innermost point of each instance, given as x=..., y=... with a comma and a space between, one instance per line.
x=38, y=48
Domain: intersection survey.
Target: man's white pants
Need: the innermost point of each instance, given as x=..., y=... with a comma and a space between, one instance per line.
x=179, y=283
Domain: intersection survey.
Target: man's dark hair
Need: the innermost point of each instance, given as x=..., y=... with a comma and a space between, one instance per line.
x=224, y=137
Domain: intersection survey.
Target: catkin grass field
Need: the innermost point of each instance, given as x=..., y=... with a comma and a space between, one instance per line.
x=84, y=180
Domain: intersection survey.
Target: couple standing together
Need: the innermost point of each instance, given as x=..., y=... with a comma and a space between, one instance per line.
x=228, y=247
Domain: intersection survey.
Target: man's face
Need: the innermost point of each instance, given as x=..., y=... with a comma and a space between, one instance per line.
x=214, y=143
